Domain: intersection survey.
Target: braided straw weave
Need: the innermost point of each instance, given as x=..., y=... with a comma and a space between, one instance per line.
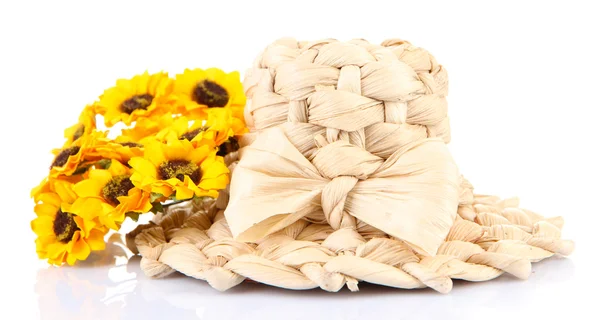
x=346, y=177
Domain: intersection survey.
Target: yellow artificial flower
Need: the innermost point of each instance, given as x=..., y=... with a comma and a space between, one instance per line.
x=62, y=235
x=46, y=185
x=85, y=125
x=177, y=167
x=238, y=125
x=94, y=147
x=197, y=91
x=120, y=149
x=43, y=187
x=145, y=129
x=131, y=99
x=77, y=155
x=212, y=132
x=108, y=194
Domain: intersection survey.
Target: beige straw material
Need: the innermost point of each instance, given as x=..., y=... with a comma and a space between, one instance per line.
x=346, y=177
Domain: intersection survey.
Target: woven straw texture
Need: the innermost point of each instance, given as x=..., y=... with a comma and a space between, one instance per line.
x=346, y=177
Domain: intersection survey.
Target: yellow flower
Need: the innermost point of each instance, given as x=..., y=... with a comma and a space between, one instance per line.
x=108, y=194
x=94, y=147
x=85, y=125
x=77, y=155
x=212, y=132
x=177, y=167
x=120, y=149
x=238, y=125
x=131, y=99
x=146, y=128
x=62, y=235
x=198, y=91
x=46, y=185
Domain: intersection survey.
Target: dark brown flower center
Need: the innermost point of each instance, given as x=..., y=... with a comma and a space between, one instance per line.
x=211, y=94
x=140, y=101
x=131, y=144
x=179, y=169
x=228, y=147
x=79, y=132
x=191, y=134
x=117, y=187
x=62, y=158
x=64, y=226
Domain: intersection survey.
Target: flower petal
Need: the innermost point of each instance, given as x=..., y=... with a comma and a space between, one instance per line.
x=84, y=225
x=88, y=208
x=183, y=192
x=96, y=240
x=117, y=168
x=43, y=226
x=50, y=198
x=143, y=166
x=153, y=152
x=57, y=250
x=90, y=187
x=45, y=209
x=177, y=149
x=81, y=250
x=65, y=191
x=198, y=155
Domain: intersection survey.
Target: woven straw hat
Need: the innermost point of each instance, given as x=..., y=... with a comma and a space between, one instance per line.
x=346, y=177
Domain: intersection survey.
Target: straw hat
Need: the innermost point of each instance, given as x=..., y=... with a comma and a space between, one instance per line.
x=345, y=177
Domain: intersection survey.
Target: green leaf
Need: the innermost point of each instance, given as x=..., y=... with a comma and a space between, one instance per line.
x=133, y=215
x=104, y=163
x=157, y=207
x=81, y=169
x=154, y=196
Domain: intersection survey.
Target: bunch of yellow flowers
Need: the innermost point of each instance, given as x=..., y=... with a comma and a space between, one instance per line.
x=176, y=133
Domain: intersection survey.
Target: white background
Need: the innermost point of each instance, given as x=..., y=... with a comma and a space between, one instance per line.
x=524, y=107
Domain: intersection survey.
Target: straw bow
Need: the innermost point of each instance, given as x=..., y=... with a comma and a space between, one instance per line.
x=412, y=195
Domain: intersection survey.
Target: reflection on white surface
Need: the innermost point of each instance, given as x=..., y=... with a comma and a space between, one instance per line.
x=110, y=285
